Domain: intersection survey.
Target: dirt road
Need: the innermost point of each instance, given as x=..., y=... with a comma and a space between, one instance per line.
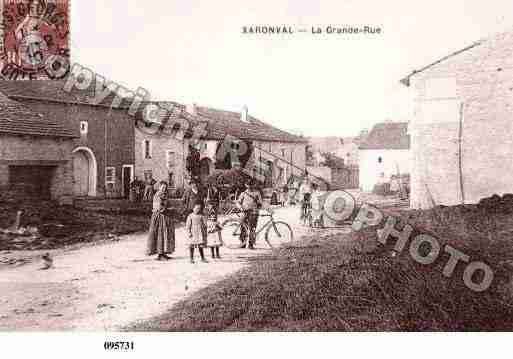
x=111, y=285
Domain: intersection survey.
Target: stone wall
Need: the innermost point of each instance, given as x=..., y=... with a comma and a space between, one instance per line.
x=479, y=82
x=38, y=151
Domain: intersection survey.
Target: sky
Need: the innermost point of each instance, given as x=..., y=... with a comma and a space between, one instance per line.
x=318, y=85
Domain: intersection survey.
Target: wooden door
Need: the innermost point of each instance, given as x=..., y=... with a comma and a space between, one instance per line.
x=80, y=174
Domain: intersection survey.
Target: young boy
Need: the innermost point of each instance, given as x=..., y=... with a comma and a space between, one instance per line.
x=196, y=229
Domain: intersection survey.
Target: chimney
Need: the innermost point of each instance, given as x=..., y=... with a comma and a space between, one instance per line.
x=192, y=109
x=244, y=114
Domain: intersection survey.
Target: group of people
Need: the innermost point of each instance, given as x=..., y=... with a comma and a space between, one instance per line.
x=202, y=228
x=142, y=190
x=308, y=195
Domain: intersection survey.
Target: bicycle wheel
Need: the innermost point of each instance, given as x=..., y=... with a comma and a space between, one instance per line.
x=230, y=233
x=278, y=233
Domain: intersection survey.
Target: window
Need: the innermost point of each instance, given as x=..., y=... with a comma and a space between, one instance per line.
x=282, y=152
x=147, y=150
x=170, y=159
x=110, y=175
x=148, y=175
x=84, y=127
x=380, y=159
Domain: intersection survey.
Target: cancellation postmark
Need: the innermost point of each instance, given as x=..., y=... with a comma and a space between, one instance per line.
x=34, y=34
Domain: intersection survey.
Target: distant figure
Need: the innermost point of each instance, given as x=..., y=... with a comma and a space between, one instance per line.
x=274, y=197
x=284, y=195
x=161, y=237
x=294, y=192
x=395, y=186
x=192, y=196
x=192, y=163
x=317, y=207
x=305, y=193
x=47, y=261
x=135, y=190
x=149, y=188
x=196, y=230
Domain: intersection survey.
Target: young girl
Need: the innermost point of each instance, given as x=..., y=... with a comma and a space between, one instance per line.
x=317, y=207
x=214, y=240
x=196, y=228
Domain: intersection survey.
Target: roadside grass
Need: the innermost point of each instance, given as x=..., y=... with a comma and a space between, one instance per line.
x=346, y=283
x=74, y=226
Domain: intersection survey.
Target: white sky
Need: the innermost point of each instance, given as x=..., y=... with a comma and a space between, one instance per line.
x=193, y=51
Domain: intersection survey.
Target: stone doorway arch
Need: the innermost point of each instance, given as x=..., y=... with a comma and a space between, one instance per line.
x=85, y=172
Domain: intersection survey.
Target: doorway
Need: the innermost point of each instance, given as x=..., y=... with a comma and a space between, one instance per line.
x=127, y=176
x=84, y=172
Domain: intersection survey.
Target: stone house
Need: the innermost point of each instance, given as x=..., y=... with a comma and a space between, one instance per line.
x=344, y=147
x=35, y=154
x=164, y=156
x=461, y=130
x=384, y=152
x=103, y=147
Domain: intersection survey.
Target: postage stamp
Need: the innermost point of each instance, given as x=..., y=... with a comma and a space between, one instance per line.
x=33, y=33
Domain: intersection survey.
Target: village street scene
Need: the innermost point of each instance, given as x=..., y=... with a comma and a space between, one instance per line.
x=125, y=211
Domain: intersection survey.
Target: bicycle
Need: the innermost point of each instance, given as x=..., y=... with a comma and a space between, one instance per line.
x=276, y=232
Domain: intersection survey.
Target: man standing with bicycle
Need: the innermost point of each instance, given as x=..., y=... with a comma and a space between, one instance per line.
x=250, y=201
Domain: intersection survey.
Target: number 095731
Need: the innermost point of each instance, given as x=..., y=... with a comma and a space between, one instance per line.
x=118, y=345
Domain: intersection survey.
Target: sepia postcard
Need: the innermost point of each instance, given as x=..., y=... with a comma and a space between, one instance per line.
x=170, y=168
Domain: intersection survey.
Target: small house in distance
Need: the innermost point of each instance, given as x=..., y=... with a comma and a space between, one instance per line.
x=384, y=152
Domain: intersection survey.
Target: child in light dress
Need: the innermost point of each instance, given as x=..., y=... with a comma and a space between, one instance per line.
x=317, y=207
x=214, y=239
x=196, y=229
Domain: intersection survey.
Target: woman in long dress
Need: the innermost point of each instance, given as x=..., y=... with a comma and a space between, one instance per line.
x=161, y=238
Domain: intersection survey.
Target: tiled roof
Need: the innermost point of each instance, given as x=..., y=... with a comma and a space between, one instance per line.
x=17, y=119
x=387, y=136
x=221, y=123
x=406, y=80
x=52, y=90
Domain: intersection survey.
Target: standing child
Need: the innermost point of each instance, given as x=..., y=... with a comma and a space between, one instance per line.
x=196, y=228
x=214, y=240
x=317, y=207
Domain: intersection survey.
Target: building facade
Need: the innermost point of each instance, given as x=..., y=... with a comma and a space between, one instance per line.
x=462, y=133
x=164, y=156
x=103, y=148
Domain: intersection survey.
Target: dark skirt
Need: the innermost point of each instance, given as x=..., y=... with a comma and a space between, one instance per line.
x=161, y=238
